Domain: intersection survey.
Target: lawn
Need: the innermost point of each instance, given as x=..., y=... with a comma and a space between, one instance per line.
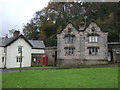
x=0, y=81
x=67, y=78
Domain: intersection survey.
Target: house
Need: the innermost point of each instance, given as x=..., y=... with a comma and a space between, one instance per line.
x=10, y=48
x=114, y=51
x=86, y=45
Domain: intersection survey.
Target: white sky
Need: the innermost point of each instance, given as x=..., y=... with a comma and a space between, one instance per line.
x=15, y=13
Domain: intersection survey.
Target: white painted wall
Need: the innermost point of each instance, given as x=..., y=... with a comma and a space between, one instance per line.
x=41, y=51
x=2, y=54
x=12, y=53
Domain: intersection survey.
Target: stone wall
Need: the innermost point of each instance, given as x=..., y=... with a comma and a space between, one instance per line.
x=50, y=52
x=67, y=62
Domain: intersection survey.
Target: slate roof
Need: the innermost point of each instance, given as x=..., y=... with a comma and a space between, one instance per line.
x=5, y=41
x=37, y=44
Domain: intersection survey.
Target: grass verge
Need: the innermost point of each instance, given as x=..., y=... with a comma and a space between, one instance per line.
x=68, y=78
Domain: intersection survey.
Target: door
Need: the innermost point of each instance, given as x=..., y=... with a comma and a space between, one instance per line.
x=110, y=56
x=55, y=63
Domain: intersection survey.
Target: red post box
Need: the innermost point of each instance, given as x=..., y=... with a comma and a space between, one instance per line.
x=44, y=61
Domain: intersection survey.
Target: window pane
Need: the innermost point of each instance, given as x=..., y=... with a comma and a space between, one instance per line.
x=69, y=51
x=66, y=51
x=96, y=38
x=93, y=38
x=89, y=38
x=72, y=51
x=96, y=49
x=2, y=59
x=90, y=51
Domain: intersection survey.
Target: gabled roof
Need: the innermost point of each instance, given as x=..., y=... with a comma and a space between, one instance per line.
x=20, y=36
x=67, y=25
x=37, y=44
x=92, y=21
x=5, y=41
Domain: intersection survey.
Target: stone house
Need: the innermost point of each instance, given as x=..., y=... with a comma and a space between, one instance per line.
x=86, y=45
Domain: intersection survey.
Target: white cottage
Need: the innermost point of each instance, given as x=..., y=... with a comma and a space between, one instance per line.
x=10, y=47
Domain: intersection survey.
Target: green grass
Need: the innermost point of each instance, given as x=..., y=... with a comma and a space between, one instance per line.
x=68, y=78
x=0, y=81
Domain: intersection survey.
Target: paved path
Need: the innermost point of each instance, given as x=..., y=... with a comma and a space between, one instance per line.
x=97, y=66
x=11, y=71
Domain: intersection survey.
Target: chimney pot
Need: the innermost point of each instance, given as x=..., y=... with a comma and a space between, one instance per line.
x=16, y=34
x=6, y=36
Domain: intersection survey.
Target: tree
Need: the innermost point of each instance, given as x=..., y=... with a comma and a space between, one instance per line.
x=51, y=20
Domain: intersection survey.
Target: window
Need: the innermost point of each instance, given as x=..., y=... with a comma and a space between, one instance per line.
x=20, y=48
x=93, y=50
x=117, y=51
x=69, y=30
x=69, y=51
x=69, y=39
x=18, y=59
x=93, y=38
x=2, y=59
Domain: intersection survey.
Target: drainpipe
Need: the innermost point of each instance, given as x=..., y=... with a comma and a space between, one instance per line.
x=5, y=51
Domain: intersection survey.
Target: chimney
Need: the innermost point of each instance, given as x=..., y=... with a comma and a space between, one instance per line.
x=16, y=34
x=81, y=26
x=6, y=36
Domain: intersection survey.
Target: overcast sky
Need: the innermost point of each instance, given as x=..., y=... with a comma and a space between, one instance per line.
x=15, y=13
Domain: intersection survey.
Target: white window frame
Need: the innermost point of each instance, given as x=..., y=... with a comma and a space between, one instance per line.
x=20, y=47
x=93, y=39
x=93, y=51
x=18, y=59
